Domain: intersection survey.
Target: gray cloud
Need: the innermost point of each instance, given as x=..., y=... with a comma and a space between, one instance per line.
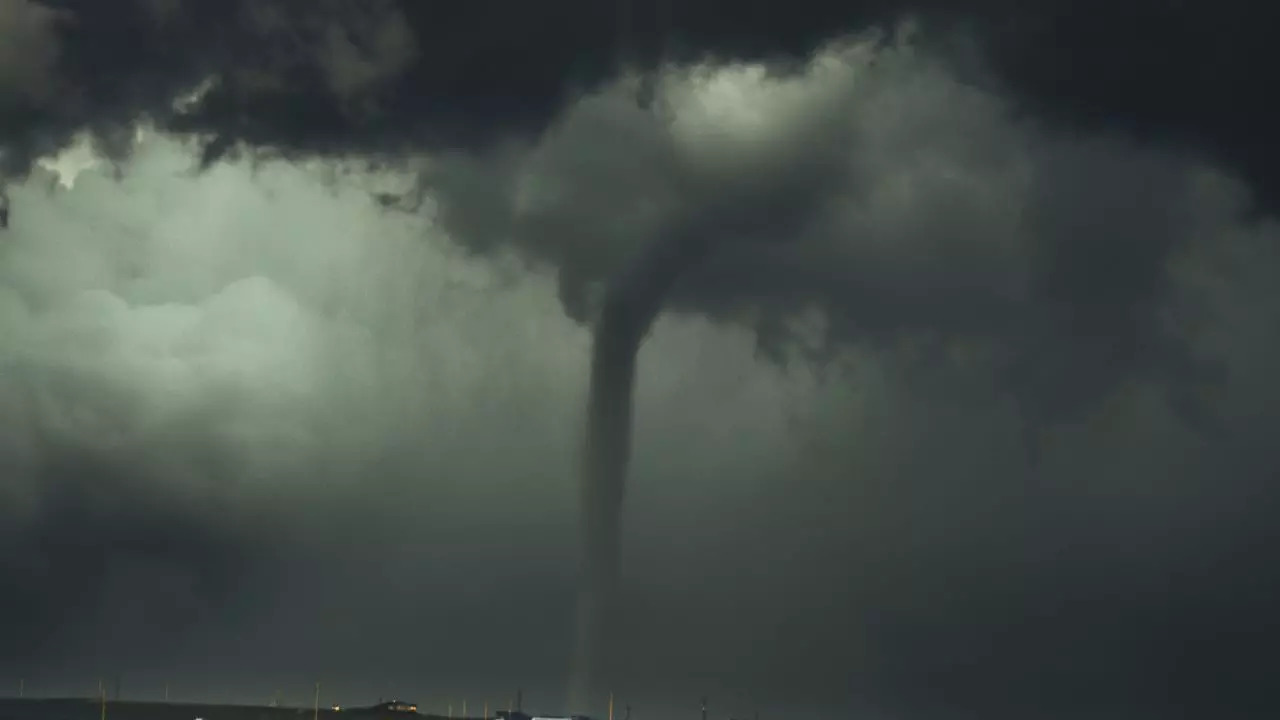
x=30, y=51
x=335, y=78
x=193, y=377
x=290, y=424
x=889, y=195
x=1014, y=289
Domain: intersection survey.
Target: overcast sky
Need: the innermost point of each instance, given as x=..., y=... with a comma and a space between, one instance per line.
x=970, y=411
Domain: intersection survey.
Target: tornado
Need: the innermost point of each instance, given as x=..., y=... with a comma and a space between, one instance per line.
x=631, y=303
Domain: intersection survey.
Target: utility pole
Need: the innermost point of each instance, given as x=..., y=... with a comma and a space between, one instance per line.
x=22, y=688
x=464, y=709
x=704, y=707
x=102, y=699
x=166, y=692
x=315, y=707
x=610, y=706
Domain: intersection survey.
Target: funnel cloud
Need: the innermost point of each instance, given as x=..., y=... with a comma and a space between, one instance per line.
x=630, y=306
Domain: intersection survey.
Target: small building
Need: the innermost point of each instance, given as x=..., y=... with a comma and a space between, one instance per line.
x=519, y=715
x=396, y=706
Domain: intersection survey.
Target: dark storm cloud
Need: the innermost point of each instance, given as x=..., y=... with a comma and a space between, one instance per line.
x=340, y=77
x=879, y=189
x=30, y=51
x=983, y=258
x=333, y=76
x=940, y=280
x=100, y=525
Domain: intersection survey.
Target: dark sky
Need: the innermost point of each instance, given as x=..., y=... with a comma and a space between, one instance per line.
x=969, y=413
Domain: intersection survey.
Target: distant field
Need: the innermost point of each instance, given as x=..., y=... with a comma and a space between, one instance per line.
x=90, y=709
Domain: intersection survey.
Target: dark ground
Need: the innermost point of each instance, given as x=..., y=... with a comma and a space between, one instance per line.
x=91, y=709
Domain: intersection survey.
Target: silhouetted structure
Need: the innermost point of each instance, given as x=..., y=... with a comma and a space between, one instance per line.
x=518, y=715
x=4, y=210
x=395, y=706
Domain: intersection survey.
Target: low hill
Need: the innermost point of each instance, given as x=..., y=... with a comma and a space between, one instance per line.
x=91, y=709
